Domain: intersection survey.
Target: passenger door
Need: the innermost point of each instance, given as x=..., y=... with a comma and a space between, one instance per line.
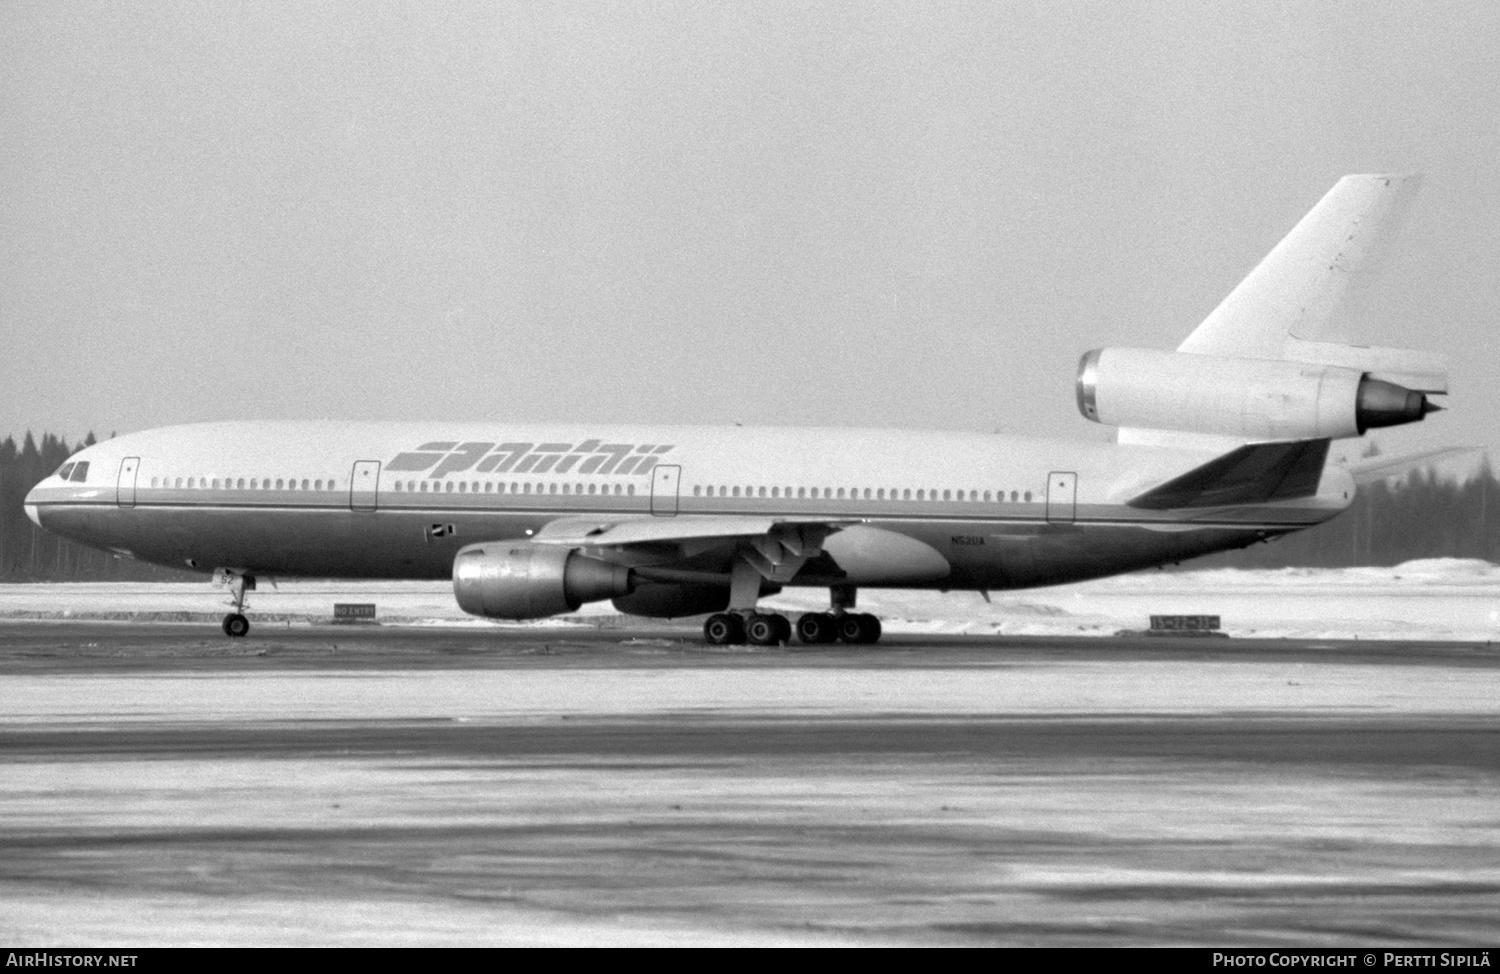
x=664, y=481
x=125, y=486
x=1062, y=496
x=364, y=486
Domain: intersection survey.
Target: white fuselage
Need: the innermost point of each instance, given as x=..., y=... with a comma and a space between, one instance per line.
x=397, y=500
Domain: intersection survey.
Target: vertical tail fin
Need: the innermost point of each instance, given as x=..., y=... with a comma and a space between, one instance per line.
x=1312, y=284
x=1302, y=302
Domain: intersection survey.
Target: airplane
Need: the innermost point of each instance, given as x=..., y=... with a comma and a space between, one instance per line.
x=1222, y=443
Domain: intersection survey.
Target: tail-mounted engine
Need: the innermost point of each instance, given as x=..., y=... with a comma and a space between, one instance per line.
x=524, y=580
x=1252, y=398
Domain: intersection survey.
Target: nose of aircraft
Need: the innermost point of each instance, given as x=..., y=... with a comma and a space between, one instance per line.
x=30, y=505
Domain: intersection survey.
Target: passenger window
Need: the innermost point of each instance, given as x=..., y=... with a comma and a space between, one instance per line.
x=775, y=491
x=1028, y=496
x=736, y=492
x=153, y=481
x=761, y=492
x=921, y=495
x=179, y=483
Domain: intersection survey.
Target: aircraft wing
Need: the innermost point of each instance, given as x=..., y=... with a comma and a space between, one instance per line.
x=775, y=547
x=647, y=530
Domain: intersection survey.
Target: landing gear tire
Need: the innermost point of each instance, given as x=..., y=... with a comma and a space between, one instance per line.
x=859, y=628
x=236, y=625
x=765, y=630
x=816, y=627
x=724, y=629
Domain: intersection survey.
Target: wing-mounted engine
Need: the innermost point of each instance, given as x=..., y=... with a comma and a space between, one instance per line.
x=523, y=580
x=1260, y=399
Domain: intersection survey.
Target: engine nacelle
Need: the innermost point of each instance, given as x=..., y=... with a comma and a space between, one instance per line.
x=672, y=601
x=524, y=580
x=1254, y=398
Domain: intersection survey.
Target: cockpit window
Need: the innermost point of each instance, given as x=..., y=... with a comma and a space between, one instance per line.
x=80, y=472
x=64, y=470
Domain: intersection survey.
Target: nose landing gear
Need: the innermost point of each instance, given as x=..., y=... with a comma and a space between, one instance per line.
x=235, y=624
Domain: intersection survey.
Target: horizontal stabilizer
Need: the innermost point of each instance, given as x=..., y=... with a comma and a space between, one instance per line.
x=1252, y=474
x=1372, y=469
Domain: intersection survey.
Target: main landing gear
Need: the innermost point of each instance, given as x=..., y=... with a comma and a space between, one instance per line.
x=770, y=629
x=235, y=624
x=755, y=628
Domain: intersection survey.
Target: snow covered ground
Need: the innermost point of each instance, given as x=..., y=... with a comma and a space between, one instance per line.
x=1431, y=599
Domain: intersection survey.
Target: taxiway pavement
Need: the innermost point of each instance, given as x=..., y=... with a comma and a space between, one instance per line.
x=160, y=784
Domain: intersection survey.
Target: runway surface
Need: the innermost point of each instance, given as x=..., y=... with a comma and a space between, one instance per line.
x=160, y=784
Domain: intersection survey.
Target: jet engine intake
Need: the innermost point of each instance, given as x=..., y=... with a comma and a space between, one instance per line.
x=1253, y=398
x=525, y=580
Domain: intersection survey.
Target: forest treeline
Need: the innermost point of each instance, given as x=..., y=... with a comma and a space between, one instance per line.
x=1419, y=516
x=1422, y=516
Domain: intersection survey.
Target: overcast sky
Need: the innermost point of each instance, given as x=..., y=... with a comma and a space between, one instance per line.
x=885, y=214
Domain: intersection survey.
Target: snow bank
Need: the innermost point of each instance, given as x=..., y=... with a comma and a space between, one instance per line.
x=1443, y=598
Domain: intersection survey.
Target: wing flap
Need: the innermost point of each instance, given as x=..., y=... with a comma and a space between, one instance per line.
x=647, y=530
